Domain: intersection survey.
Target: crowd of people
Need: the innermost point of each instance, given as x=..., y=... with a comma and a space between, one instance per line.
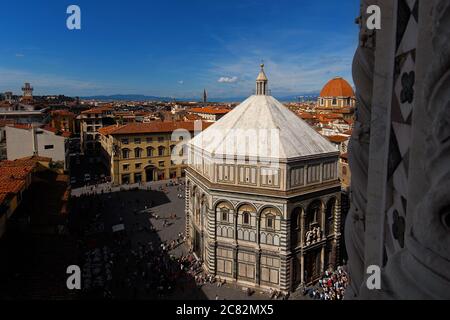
x=108, y=187
x=331, y=286
x=128, y=271
x=97, y=270
x=135, y=262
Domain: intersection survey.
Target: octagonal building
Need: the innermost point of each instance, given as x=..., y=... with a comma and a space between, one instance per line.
x=263, y=196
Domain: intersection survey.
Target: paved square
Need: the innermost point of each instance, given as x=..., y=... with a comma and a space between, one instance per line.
x=131, y=264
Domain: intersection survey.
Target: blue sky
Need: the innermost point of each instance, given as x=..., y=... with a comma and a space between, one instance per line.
x=176, y=47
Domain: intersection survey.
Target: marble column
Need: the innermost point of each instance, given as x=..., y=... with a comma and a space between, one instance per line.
x=211, y=249
x=187, y=209
x=363, y=74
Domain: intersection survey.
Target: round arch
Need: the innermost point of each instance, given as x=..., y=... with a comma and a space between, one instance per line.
x=223, y=210
x=270, y=218
x=330, y=208
x=271, y=207
x=313, y=216
x=296, y=224
x=246, y=214
x=224, y=202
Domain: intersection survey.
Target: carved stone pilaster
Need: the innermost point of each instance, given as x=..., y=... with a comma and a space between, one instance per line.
x=406, y=221
x=421, y=270
x=363, y=75
x=187, y=209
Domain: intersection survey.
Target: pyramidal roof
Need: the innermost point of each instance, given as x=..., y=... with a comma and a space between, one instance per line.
x=262, y=127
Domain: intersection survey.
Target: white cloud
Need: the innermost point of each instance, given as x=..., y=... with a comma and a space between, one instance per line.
x=20, y=55
x=227, y=79
x=181, y=82
x=293, y=67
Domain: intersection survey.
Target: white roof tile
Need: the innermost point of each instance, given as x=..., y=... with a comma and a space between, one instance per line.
x=296, y=138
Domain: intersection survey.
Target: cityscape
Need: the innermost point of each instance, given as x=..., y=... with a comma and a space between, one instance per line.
x=246, y=184
x=97, y=152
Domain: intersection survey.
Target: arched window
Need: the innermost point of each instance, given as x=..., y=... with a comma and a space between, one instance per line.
x=125, y=153
x=329, y=216
x=246, y=217
x=296, y=227
x=223, y=211
x=224, y=214
x=161, y=151
x=245, y=212
x=137, y=152
x=197, y=214
x=270, y=221
x=150, y=151
x=313, y=215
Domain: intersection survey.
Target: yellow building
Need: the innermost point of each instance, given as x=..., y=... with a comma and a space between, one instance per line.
x=142, y=152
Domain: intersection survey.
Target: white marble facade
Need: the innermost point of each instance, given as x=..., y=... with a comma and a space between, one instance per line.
x=268, y=226
x=399, y=217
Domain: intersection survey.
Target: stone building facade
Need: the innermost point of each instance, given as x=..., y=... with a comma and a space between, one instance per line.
x=267, y=226
x=143, y=152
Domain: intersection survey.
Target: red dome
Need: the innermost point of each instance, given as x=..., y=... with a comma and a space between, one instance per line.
x=337, y=87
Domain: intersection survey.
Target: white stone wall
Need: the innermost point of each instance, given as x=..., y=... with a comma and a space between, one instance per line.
x=246, y=238
x=22, y=143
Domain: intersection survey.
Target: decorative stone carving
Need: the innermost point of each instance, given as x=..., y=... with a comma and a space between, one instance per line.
x=415, y=233
x=313, y=236
x=363, y=65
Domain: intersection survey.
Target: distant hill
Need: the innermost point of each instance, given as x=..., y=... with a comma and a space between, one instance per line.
x=140, y=97
x=127, y=97
x=298, y=97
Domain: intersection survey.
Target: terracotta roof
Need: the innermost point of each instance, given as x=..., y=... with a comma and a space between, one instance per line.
x=62, y=113
x=19, y=172
x=304, y=115
x=210, y=110
x=192, y=117
x=13, y=175
x=65, y=134
x=21, y=126
x=46, y=128
x=337, y=87
x=4, y=122
x=349, y=121
x=150, y=127
x=333, y=116
x=345, y=110
x=11, y=185
x=27, y=161
x=97, y=110
x=337, y=139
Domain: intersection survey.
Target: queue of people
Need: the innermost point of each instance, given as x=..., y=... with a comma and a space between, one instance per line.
x=331, y=286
